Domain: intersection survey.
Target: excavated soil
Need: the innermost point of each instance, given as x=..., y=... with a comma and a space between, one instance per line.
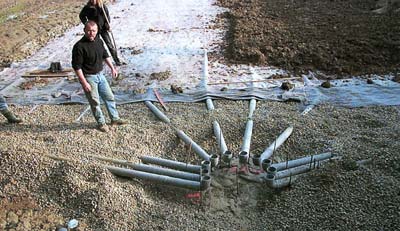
x=334, y=36
x=361, y=190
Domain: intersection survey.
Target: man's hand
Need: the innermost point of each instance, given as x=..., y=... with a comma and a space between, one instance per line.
x=86, y=87
x=114, y=72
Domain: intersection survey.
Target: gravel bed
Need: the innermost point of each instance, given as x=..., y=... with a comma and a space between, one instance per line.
x=40, y=193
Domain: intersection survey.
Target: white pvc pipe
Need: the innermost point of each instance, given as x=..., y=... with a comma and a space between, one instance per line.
x=220, y=138
x=165, y=172
x=293, y=171
x=302, y=161
x=83, y=113
x=151, y=169
x=210, y=105
x=274, y=183
x=252, y=108
x=171, y=164
x=157, y=112
x=205, y=70
x=276, y=144
x=247, y=137
x=194, y=185
x=196, y=148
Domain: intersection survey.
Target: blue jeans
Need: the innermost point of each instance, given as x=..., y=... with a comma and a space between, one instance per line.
x=101, y=88
x=3, y=104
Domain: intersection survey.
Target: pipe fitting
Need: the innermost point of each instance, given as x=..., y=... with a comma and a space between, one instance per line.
x=227, y=156
x=265, y=164
x=205, y=164
x=205, y=172
x=243, y=157
x=214, y=159
x=272, y=170
x=205, y=183
x=256, y=159
x=270, y=180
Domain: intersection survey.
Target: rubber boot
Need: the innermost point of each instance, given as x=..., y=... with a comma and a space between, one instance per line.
x=11, y=117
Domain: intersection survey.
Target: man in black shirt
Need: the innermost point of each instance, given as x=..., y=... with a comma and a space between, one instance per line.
x=88, y=55
x=95, y=10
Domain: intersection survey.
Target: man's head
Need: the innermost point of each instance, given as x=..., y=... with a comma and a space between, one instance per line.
x=96, y=2
x=90, y=30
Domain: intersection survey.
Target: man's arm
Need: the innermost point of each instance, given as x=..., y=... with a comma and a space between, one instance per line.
x=85, y=85
x=114, y=71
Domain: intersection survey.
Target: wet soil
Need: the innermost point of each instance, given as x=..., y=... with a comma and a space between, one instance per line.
x=334, y=36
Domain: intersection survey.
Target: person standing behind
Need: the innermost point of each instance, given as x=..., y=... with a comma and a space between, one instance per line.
x=88, y=55
x=95, y=10
x=11, y=117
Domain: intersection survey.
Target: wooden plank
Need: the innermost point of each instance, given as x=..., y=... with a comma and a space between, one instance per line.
x=48, y=74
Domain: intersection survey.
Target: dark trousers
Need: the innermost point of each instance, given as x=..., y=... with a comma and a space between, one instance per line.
x=113, y=50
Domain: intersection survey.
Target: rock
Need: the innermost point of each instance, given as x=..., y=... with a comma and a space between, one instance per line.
x=370, y=81
x=175, y=89
x=326, y=84
x=72, y=224
x=287, y=86
x=396, y=79
x=56, y=94
x=12, y=218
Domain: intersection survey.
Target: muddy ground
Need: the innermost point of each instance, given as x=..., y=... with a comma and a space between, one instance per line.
x=334, y=36
x=361, y=190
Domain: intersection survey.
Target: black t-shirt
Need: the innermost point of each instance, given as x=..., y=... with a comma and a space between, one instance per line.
x=89, y=55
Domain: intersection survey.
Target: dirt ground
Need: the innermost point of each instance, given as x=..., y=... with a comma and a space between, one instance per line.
x=33, y=23
x=361, y=190
x=334, y=36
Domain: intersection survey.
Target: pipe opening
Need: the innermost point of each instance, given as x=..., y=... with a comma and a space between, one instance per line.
x=243, y=157
x=227, y=156
x=214, y=160
x=271, y=170
x=270, y=179
x=256, y=159
x=265, y=164
x=205, y=164
x=205, y=172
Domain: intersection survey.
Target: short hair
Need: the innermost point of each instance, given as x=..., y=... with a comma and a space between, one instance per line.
x=91, y=23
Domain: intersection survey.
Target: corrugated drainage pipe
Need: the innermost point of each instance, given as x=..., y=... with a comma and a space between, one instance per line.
x=276, y=144
x=247, y=139
x=157, y=112
x=220, y=138
x=195, y=147
x=194, y=185
x=302, y=161
x=171, y=164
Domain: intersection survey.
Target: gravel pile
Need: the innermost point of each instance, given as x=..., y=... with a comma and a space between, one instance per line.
x=40, y=192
